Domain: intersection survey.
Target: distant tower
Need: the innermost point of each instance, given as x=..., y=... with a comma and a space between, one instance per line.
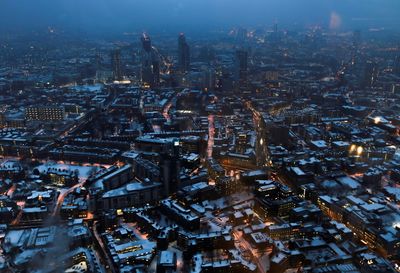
x=116, y=64
x=146, y=42
x=209, y=79
x=150, y=67
x=396, y=65
x=370, y=74
x=241, y=35
x=241, y=66
x=183, y=53
x=275, y=34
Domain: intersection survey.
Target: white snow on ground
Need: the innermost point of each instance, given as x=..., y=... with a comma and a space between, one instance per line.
x=226, y=202
x=84, y=171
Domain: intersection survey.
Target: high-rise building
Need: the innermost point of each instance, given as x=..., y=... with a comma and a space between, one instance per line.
x=241, y=66
x=241, y=35
x=116, y=65
x=209, y=79
x=170, y=167
x=370, y=74
x=275, y=34
x=183, y=53
x=396, y=65
x=146, y=42
x=3, y=120
x=150, y=70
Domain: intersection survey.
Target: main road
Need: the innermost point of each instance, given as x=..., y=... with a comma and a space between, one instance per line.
x=240, y=241
x=63, y=194
x=211, y=133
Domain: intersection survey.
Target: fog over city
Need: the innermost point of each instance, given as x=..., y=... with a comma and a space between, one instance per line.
x=127, y=15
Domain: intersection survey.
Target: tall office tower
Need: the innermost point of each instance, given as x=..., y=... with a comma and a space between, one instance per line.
x=183, y=53
x=356, y=42
x=369, y=74
x=146, y=42
x=156, y=71
x=170, y=167
x=209, y=79
x=150, y=69
x=3, y=119
x=241, y=66
x=241, y=35
x=275, y=34
x=116, y=65
x=396, y=65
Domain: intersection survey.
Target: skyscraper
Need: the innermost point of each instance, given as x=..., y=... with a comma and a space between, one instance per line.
x=275, y=34
x=150, y=70
x=170, y=167
x=370, y=74
x=241, y=35
x=241, y=66
x=146, y=42
x=116, y=65
x=396, y=65
x=183, y=53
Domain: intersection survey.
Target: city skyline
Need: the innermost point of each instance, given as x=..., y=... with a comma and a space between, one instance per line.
x=184, y=136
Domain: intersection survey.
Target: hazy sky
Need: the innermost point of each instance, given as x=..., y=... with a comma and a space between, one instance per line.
x=133, y=15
